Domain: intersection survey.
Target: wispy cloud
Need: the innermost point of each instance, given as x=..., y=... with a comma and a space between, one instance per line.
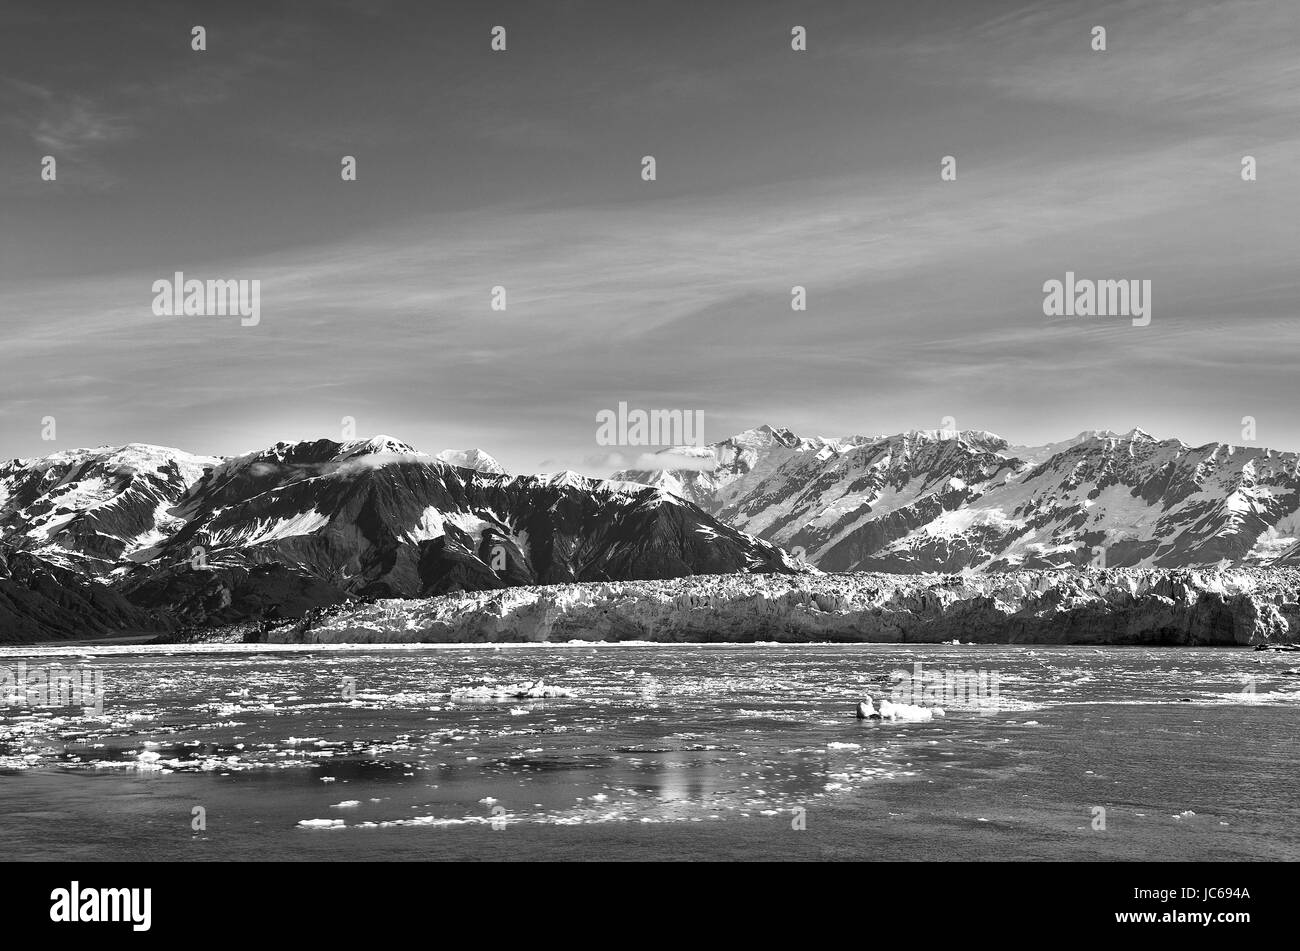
x=1166, y=60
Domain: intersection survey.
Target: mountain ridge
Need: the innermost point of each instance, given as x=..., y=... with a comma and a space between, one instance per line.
x=300, y=526
x=941, y=500
x=150, y=538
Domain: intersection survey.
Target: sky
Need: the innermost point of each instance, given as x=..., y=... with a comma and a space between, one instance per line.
x=523, y=169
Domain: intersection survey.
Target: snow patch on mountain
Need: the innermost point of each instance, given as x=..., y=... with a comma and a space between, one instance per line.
x=266, y=530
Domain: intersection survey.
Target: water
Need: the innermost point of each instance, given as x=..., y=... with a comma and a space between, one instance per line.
x=664, y=752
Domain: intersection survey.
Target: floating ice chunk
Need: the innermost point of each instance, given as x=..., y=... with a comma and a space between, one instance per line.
x=896, y=711
x=525, y=690
x=346, y=804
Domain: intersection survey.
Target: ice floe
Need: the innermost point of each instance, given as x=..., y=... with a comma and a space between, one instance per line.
x=524, y=690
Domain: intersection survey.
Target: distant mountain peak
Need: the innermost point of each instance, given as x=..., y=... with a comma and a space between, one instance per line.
x=765, y=435
x=565, y=477
x=475, y=459
x=376, y=445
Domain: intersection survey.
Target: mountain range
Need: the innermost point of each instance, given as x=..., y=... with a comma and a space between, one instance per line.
x=141, y=538
x=176, y=539
x=949, y=501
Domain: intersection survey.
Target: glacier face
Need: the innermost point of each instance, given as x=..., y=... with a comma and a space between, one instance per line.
x=1235, y=606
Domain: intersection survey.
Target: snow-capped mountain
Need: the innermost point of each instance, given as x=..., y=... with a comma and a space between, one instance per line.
x=143, y=538
x=475, y=459
x=946, y=501
x=89, y=509
x=303, y=525
x=92, y=509
x=727, y=470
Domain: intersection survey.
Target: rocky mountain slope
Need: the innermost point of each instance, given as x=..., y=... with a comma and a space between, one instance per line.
x=91, y=509
x=43, y=600
x=948, y=501
x=142, y=539
x=298, y=526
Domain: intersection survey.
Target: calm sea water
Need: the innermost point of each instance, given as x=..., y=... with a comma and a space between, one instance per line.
x=663, y=752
